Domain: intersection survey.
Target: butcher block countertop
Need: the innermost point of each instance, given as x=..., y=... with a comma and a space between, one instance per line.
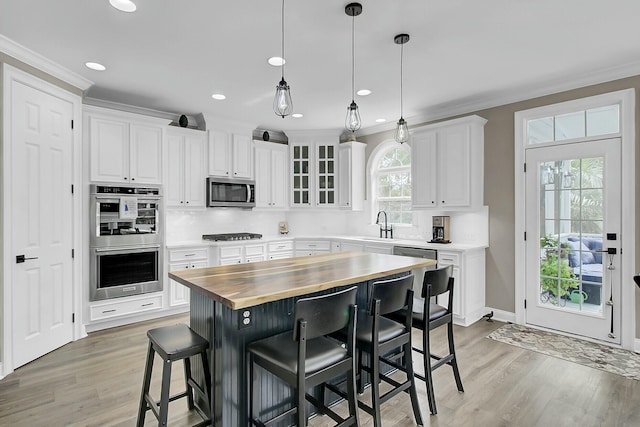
x=245, y=285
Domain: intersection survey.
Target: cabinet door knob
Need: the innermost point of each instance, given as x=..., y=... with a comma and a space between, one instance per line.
x=125, y=178
x=133, y=179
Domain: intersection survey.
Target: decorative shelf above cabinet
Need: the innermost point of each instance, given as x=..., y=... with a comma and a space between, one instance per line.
x=124, y=147
x=230, y=154
x=447, y=165
x=186, y=171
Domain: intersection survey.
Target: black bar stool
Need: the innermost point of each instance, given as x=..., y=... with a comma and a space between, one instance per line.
x=307, y=357
x=172, y=343
x=381, y=338
x=429, y=317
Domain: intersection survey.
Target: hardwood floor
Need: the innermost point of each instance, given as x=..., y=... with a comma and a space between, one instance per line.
x=96, y=381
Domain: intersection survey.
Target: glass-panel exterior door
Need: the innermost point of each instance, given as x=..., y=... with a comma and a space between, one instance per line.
x=573, y=207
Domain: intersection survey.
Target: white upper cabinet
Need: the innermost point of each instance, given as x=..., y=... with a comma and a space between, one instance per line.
x=186, y=170
x=271, y=175
x=447, y=165
x=351, y=175
x=124, y=147
x=313, y=169
x=230, y=154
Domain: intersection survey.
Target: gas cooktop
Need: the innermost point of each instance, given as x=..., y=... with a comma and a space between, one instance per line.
x=231, y=236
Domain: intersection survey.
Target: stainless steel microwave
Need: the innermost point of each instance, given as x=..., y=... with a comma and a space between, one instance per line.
x=230, y=193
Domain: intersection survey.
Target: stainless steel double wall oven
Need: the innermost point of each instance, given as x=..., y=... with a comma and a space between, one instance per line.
x=126, y=241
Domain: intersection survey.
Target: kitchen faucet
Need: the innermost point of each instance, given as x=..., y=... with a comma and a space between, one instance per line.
x=388, y=230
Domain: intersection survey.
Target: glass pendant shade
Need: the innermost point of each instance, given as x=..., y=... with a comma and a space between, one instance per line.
x=352, y=122
x=282, y=104
x=402, y=132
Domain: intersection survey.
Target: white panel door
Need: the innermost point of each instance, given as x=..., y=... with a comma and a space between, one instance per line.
x=174, y=183
x=109, y=145
x=146, y=154
x=219, y=153
x=263, y=187
x=41, y=209
x=242, y=156
x=454, y=153
x=194, y=180
x=279, y=176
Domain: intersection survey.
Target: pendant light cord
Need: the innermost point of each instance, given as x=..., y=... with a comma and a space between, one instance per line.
x=353, y=56
x=401, y=56
x=283, y=60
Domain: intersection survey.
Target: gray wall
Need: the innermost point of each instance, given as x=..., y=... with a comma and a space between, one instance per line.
x=499, y=187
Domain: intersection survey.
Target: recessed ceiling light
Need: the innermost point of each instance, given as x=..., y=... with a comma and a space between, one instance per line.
x=123, y=5
x=218, y=96
x=297, y=115
x=95, y=66
x=364, y=92
x=276, y=61
x=381, y=120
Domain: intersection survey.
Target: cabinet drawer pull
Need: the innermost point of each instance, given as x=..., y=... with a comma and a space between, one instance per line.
x=109, y=311
x=189, y=255
x=147, y=304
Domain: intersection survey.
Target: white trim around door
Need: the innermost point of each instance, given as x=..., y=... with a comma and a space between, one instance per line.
x=626, y=100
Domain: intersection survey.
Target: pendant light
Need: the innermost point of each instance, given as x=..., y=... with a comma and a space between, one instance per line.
x=282, y=104
x=402, y=131
x=352, y=122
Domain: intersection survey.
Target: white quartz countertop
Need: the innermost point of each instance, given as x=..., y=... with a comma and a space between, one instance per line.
x=355, y=239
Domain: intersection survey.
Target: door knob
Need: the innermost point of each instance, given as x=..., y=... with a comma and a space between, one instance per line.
x=21, y=258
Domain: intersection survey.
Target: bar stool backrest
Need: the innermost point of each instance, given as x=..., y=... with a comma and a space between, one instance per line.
x=323, y=314
x=439, y=281
x=392, y=294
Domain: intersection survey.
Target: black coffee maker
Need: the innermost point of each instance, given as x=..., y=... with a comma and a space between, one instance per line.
x=440, y=233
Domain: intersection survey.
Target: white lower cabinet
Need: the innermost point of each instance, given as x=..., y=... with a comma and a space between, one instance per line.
x=280, y=250
x=125, y=306
x=312, y=247
x=338, y=246
x=184, y=259
x=238, y=254
x=468, y=285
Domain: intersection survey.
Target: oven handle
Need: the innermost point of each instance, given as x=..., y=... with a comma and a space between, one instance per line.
x=248, y=193
x=117, y=199
x=126, y=249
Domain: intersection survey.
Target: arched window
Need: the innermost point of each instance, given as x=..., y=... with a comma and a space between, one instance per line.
x=391, y=182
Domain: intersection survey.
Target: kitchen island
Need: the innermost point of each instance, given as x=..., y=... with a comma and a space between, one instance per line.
x=234, y=305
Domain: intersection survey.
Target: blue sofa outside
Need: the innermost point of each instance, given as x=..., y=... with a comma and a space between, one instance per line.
x=584, y=259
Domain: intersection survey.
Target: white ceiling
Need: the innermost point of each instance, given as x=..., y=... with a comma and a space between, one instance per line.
x=172, y=55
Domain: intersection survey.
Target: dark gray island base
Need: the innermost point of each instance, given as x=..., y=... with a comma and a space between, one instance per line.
x=229, y=330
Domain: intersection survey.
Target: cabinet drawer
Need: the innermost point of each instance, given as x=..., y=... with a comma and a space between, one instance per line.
x=281, y=255
x=281, y=246
x=448, y=258
x=254, y=250
x=313, y=245
x=188, y=254
x=115, y=309
x=231, y=252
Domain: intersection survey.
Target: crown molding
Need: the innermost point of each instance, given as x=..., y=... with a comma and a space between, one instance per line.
x=510, y=96
x=38, y=61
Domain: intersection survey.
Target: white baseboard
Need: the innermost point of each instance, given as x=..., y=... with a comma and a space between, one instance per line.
x=501, y=315
x=636, y=345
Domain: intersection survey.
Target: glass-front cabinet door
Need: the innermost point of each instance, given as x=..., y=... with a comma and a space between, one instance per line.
x=326, y=161
x=314, y=172
x=301, y=174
